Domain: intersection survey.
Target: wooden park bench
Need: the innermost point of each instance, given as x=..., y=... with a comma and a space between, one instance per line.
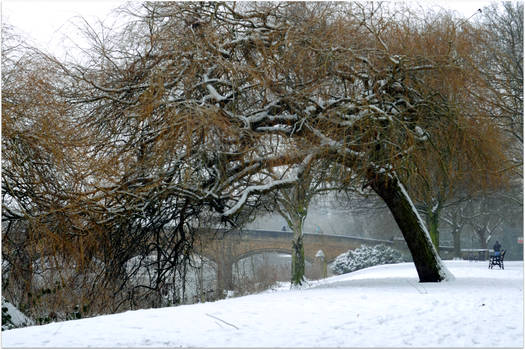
x=497, y=260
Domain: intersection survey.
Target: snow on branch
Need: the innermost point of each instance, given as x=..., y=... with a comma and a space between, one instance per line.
x=273, y=185
x=259, y=189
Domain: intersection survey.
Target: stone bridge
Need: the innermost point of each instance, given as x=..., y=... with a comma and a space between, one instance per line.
x=228, y=247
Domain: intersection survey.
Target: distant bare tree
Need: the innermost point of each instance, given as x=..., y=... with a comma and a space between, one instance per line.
x=501, y=66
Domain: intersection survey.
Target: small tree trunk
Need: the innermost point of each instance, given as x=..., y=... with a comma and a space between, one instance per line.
x=184, y=273
x=482, y=237
x=456, y=235
x=433, y=223
x=428, y=264
x=298, y=265
x=158, y=272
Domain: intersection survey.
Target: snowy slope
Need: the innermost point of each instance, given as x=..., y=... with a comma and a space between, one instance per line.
x=383, y=306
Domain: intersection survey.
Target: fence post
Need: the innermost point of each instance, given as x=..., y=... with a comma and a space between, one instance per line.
x=321, y=263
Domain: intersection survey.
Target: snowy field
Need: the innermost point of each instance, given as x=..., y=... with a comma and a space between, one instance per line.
x=382, y=306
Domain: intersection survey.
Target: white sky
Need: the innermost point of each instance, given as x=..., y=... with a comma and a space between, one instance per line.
x=45, y=23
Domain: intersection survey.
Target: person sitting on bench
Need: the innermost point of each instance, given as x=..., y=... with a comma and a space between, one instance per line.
x=497, y=248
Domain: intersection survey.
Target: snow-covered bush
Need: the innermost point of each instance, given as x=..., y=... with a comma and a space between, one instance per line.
x=365, y=256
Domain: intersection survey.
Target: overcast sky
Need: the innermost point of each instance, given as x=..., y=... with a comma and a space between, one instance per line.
x=46, y=22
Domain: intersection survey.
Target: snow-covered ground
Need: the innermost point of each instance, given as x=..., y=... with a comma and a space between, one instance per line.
x=382, y=306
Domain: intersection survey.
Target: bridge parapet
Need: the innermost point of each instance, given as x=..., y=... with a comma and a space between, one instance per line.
x=242, y=242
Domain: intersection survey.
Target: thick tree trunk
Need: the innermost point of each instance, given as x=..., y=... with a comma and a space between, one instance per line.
x=224, y=270
x=428, y=264
x=295, y=215
x=224, y=277
x=298, y=265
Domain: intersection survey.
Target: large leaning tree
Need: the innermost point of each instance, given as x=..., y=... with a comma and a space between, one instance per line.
x=197, y=108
